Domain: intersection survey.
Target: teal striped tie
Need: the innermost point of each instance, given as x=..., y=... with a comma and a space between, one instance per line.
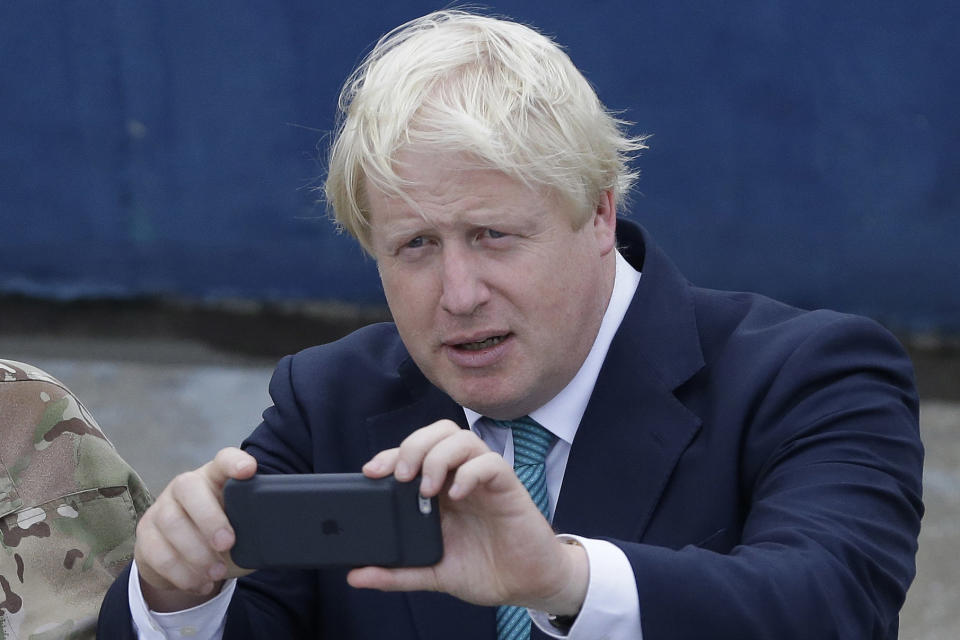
x=530, y=445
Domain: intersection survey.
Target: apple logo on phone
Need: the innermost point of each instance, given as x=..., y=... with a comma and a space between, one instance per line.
x=330, y=528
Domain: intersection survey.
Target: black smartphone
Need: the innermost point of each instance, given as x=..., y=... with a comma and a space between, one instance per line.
x=331, y=520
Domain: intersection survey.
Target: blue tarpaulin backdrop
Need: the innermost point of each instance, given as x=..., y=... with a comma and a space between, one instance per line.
x=807, y=150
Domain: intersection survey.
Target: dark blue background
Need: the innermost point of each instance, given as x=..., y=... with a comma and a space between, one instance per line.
x=808, y=150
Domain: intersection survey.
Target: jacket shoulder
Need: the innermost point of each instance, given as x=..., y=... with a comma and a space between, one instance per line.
x=376, y=341
x=730, y=321
x=69, y=505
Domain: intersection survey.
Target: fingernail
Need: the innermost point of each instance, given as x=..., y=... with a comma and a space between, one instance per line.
x=403, y=471
x=222, y=540
x=455, y=491
x=426, y=485
x=243, y=465
x=373, y=466
x=206, y=589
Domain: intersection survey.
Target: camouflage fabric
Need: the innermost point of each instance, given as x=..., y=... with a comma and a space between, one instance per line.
x=68, y=509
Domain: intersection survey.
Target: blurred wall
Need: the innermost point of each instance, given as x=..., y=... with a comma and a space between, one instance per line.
x=806, y=150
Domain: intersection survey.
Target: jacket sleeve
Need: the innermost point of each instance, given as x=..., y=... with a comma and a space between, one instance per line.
x=831, y=479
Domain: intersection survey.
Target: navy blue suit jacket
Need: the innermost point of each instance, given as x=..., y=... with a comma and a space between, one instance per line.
x=760, y=467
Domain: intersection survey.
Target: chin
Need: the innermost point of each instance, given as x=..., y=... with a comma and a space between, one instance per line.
x=487, y=404
x=499, y=408
x=491, y=395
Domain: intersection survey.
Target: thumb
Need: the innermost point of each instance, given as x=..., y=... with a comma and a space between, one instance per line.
x=230, y=462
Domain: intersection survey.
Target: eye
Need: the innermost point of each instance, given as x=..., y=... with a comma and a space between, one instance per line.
x=494, y=234
x=415, y=247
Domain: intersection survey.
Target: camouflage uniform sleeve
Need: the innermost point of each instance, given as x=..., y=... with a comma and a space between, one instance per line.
x=69, y=506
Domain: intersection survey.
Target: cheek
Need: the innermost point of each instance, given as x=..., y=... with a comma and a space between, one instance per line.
x=397, y=294
x=409, y=302
x=573, y=292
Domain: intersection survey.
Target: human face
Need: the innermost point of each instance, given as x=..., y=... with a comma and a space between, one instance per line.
x=496, y=295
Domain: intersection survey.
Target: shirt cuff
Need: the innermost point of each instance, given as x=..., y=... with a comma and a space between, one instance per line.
x=203, y=622
x=611, y=609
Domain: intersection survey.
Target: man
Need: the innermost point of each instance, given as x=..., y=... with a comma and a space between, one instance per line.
x=718, y=464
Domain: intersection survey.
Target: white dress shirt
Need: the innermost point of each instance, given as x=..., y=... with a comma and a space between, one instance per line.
x=611, y=610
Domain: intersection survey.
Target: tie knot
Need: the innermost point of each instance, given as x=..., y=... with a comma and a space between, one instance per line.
x=530, y=440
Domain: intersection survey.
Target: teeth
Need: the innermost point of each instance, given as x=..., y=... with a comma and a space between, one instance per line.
x=482, y=344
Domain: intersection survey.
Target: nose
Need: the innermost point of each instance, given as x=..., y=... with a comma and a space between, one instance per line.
x=464, y=286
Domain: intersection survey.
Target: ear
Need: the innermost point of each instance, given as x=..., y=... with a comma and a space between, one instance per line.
x=605, y=223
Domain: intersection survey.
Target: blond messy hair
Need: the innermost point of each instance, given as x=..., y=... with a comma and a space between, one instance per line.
x=499, y=91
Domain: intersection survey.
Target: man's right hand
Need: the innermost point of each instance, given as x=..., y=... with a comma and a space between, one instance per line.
x=184, y=539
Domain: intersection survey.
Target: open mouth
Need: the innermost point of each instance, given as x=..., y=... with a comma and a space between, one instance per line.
x=481, y=344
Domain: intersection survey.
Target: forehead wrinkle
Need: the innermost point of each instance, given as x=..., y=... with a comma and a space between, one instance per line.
x=440, y=206
x=457, y=190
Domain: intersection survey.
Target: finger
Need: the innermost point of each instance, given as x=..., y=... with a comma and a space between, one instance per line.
x=182, y=535
x=448, y=454
x=162, y=567
x=490, y=470
x=202, y=504
x=415, y=447
x=382, y=464
x=407, y=579
x=230, y=462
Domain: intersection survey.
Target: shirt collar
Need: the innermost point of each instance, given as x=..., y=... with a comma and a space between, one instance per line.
x=561, y=415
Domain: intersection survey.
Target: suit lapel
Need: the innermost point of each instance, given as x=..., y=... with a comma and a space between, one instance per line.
x=634, y=429
x=626, y=447
x=436, y=615
x=428, y=404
